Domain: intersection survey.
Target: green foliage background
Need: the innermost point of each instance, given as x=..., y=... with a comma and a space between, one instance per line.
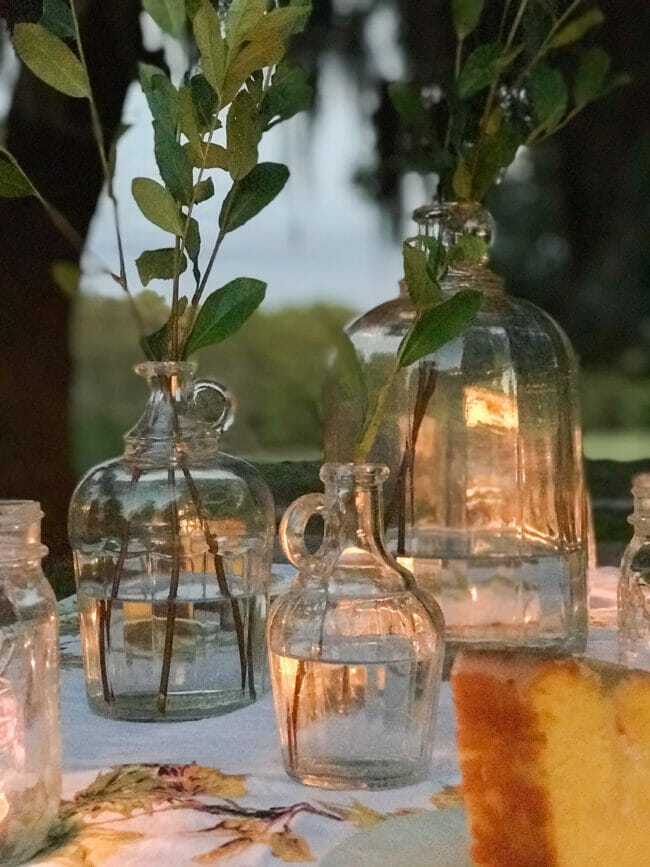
x=274, y=366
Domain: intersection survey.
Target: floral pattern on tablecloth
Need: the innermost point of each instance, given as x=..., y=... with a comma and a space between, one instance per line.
x=97, y=824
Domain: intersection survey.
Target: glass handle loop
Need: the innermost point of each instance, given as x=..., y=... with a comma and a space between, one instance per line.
x=292, y=532
x=227, y=415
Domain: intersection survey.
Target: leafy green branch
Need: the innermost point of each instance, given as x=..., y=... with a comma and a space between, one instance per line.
x=437, y=320
x=244, y=88
x=515, y=82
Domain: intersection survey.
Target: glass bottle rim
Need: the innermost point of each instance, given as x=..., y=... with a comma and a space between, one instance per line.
x=16, y=513
x=151, y=369
x=641, y=485
x=457, y=214
x=363, y=476
x=20, y=531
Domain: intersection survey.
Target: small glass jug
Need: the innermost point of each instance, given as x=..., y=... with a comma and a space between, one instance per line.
x=634, y=583
x=355, y=649
x=172, y=545
x=30, y=753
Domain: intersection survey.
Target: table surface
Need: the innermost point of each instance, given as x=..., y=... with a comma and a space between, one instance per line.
x=214, y=790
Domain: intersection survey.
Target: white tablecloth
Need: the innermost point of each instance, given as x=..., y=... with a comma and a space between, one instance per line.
x=244, y=743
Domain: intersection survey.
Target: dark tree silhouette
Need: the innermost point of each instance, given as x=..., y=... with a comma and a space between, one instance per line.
x=51, y=137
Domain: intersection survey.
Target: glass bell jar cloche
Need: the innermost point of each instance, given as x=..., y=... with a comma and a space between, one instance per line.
x=355, y=649
x=172, y=546
x=486, y=504
x=30, y=751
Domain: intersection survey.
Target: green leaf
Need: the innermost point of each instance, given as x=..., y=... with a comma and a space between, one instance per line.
x=468, y=248
x=14, y=183
x=439, y=325
x=205, y=101
x=155, y=345
x=423, y=291
x=242, y=15
x=57, y=18
x=243, y=133
x=479, y=70
x=591, y=75
x=407, y=101
x=203, y=191
x=576, y=29
x=495, y=154
x=169, y=15
x=50, y=59
x=193, y=246
x=67, y=276
x=280, y=23
x=253, y=56
x=548, y=95
x=466, y=15
x=254, y=192
x=164, y=102
x=173, y=163
x=255, y=86
x=157, y=205
x=289, y=93
x=209, y=41
x=225, y=311
x=209, y=156
x=436, y=256
x=188, y=118
x=162, y=96
x=159, y=265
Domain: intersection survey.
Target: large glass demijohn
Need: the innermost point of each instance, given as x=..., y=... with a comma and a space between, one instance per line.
x=486, y=502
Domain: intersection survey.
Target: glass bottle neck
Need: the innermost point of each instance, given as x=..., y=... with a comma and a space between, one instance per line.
x=361, y=529
x=465, y=231
x=20, y=532
x=640, y=518
x=363, y=552
x=170, y=424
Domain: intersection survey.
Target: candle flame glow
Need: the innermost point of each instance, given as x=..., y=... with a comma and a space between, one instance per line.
x=485, y=407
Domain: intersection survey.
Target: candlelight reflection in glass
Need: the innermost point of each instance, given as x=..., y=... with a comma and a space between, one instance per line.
x=355, y=649
x=30, y=764
x=486, y=497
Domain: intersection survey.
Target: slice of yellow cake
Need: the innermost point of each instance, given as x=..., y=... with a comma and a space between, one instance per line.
x=555, y=758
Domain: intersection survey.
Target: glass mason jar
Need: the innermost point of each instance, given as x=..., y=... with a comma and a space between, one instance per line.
x=172, y=546
x=30, y=752
x=486, y=504
x=355, y=650
x=634, y=583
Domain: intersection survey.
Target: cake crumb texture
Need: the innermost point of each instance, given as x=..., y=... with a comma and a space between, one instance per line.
x=555, y=761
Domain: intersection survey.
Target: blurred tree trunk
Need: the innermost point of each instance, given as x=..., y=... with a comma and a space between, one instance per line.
x=51, y=137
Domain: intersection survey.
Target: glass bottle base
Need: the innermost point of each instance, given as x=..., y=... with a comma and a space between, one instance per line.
x=179, y=707
x=359, y=774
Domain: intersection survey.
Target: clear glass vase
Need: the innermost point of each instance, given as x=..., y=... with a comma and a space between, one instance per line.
x=30, y=753
x=355, y=650
x=172, y=545
x=634, y=583
x=486, y=504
